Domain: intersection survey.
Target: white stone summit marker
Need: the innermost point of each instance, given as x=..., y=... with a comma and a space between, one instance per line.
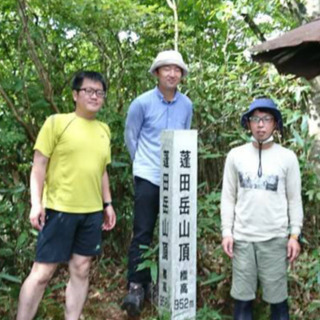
x=178, y=224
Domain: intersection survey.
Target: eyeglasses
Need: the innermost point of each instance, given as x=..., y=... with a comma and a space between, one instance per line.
x=256, y=119
x=90, y=92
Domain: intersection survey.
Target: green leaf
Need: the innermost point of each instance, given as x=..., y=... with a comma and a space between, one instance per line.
x=154, y=272
x=58, y=286
x=298, y=138
x=314, y=305
x=18, y=85
x=119, y=164
x=17, y=189
x=304, y=123
x=34, y=232
x=22, y=239
x=10, y=278
x=145, y=265
x=213, y=278
x=6, y=252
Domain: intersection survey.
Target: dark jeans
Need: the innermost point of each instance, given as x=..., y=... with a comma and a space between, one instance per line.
x=146, y=210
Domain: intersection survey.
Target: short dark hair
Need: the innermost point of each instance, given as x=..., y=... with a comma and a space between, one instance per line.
x=262, y=109
x=92, y=75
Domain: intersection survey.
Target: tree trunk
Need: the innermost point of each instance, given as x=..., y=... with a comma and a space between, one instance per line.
x=173, y=5
x=314, y=113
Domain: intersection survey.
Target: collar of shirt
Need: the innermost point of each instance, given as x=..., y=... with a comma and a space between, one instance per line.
x=161, y=97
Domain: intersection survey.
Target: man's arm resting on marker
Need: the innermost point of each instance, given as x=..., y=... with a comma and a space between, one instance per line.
x=109, y=214
x=37, y=178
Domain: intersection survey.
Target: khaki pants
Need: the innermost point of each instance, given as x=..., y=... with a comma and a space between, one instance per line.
x=264, y=261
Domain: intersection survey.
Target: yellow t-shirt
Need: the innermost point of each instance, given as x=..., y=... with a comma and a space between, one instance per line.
x=79, y=151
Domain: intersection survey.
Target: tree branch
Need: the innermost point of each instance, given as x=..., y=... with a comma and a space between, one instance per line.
x=12, y=107
x=172, y=5
x=43, y=74
x=253, y=26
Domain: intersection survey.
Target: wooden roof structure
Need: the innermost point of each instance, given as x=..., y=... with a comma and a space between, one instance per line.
x=295, y=52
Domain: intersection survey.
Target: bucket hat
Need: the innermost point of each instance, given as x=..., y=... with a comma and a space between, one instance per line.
x=167, y=57
x=263, y=104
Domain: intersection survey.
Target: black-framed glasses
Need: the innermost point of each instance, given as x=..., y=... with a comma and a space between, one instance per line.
x=265, y=119
x=90, y=92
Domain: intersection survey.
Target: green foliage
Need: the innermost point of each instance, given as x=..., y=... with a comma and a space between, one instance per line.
x=120, y=39
x=150, y=261
x=207, y=313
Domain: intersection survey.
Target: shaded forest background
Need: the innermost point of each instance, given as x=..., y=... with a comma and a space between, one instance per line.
x=43, y=43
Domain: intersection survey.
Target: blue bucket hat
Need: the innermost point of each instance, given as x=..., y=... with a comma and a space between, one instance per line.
x=263, y=104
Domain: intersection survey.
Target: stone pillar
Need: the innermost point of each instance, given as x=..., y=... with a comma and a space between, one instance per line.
x=178, y=225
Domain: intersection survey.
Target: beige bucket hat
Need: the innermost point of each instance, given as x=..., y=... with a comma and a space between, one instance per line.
x=167, y=57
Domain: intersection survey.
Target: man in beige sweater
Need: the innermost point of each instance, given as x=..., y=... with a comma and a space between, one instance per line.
x=261, y=213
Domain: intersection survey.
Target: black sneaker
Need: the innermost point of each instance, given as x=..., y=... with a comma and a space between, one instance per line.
x=133, y=301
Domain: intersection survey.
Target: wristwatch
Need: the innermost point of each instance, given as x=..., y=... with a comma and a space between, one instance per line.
x=107, y=204
x=297, y=237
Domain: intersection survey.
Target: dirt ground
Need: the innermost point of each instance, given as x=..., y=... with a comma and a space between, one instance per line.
x=106, y=292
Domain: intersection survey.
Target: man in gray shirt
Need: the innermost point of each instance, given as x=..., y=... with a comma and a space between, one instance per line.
x=261, y=213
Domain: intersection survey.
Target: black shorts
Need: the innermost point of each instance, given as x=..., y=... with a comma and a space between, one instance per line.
x=66, y=233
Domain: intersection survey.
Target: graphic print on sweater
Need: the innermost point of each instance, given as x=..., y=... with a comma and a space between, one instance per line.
x=249, y=180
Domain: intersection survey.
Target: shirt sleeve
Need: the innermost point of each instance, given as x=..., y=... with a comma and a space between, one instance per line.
x=228, y=196
x=293, y=188
x=46, y=139
x=133, y=127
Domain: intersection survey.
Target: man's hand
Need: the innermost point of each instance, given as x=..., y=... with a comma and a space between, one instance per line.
x=227, y=245
x=37, y=216
x=109, y=218
x=38, y=175
x=294, y=249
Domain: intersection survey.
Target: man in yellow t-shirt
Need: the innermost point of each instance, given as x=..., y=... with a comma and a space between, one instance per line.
x=70, y=196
